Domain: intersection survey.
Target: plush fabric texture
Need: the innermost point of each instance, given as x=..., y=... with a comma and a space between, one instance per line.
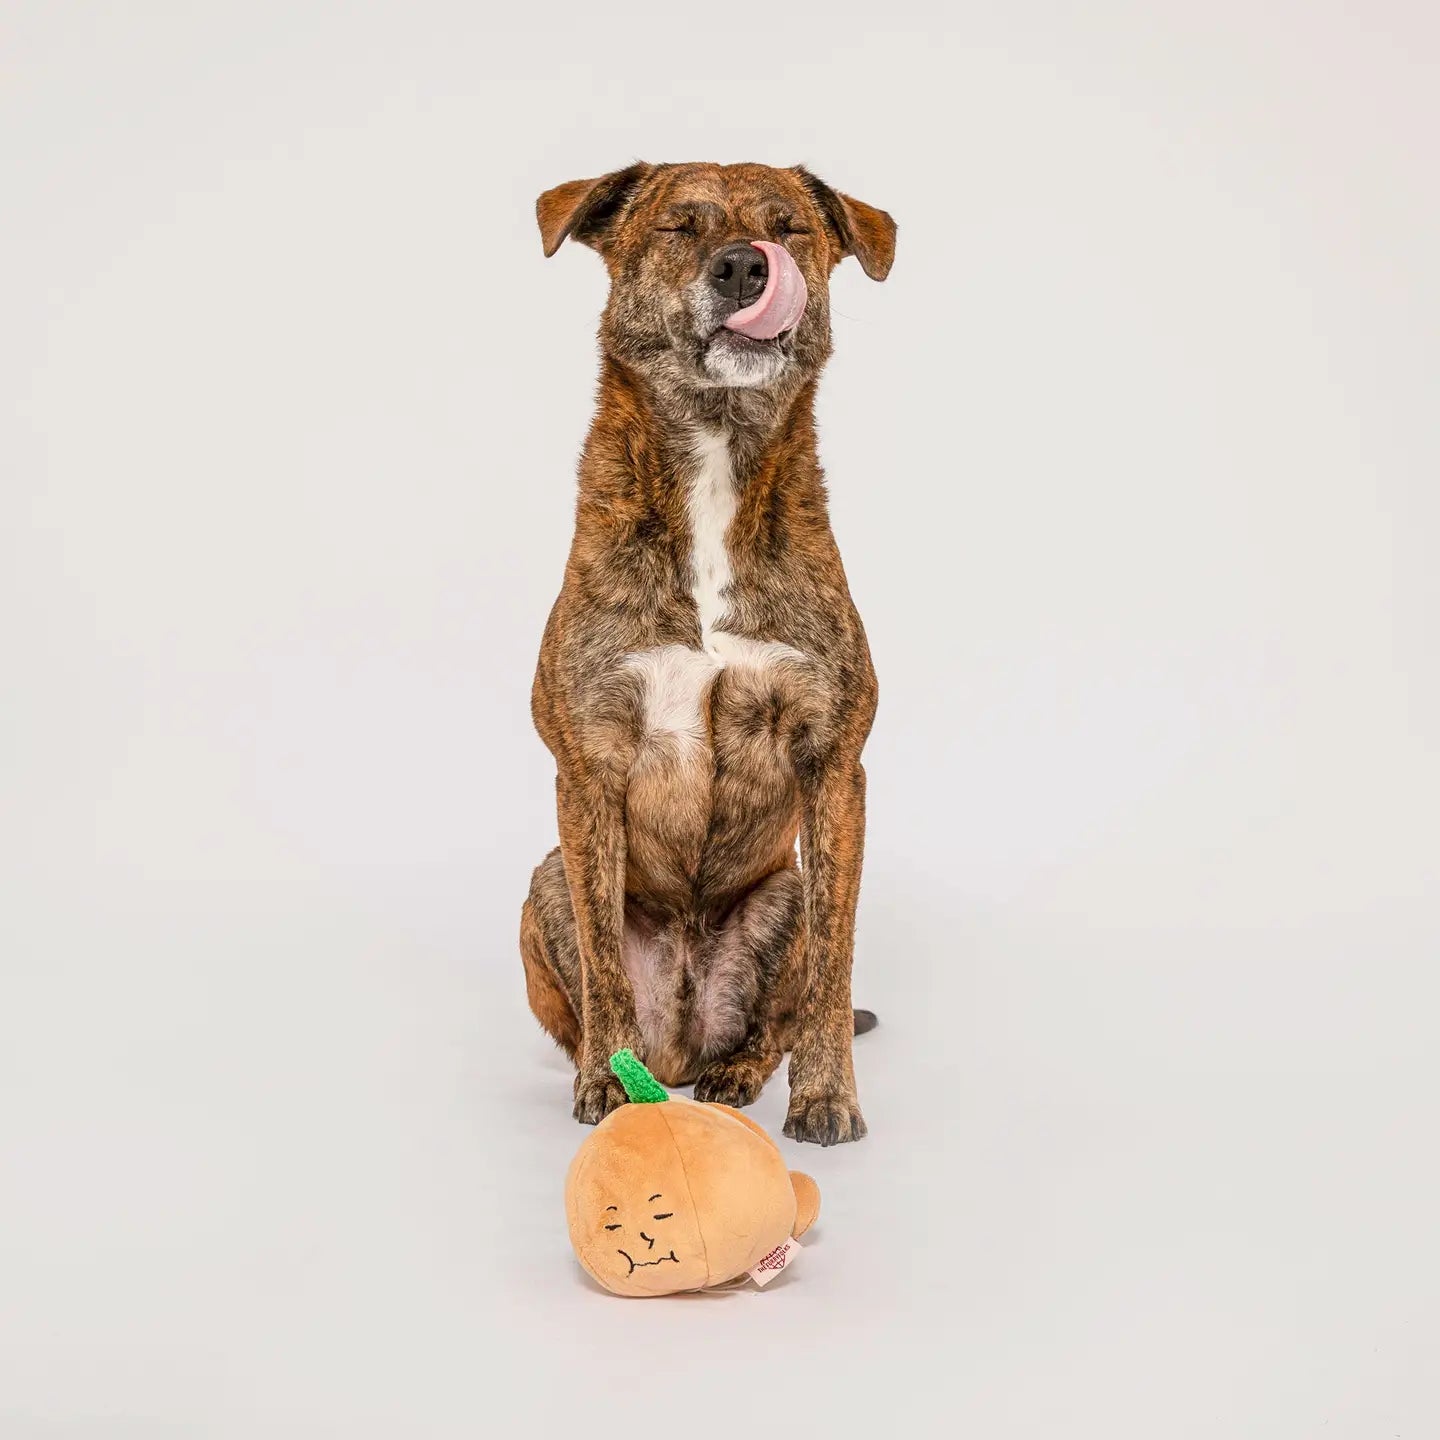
x=679, y=1196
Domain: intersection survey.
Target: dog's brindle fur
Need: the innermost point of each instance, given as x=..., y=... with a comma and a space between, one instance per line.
x=696, y=733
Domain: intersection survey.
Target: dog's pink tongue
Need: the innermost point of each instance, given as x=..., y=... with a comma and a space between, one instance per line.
x=781, y=305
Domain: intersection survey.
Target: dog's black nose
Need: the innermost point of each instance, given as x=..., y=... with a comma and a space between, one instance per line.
x=739, y=273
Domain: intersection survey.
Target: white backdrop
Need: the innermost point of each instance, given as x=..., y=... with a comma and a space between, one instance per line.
x=1133, y=464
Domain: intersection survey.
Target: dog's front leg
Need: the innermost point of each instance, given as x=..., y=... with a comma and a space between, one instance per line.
x=592, y=845
x=823, y=1103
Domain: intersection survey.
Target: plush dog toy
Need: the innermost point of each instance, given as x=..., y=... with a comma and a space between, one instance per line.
x=667, y=1194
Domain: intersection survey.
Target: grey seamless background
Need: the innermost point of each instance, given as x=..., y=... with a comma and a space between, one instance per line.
x=1133, y=465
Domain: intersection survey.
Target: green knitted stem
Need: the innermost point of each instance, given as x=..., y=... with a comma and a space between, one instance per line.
x=641, y=1087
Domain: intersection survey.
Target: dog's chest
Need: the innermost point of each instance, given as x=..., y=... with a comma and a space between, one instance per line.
x=675, y=679
x=710, y=505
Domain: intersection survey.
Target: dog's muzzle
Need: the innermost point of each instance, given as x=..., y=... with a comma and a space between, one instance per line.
x=764, y=278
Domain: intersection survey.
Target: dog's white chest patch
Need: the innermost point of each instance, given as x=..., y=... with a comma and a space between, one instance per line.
x=710, y=504
x=676, y=678
x=673, y=682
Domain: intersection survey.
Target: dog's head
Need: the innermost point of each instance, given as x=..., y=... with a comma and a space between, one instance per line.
x=719, y=274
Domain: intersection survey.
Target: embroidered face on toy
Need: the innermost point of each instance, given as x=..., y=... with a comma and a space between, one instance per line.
x=668, y=1195
x=639, y=1234
x=648, y=1256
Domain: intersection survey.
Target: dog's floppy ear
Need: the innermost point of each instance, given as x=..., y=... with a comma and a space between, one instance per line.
x=585, y=209
x=863, y=231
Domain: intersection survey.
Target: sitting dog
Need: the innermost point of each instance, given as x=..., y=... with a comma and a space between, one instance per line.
x=704, y=682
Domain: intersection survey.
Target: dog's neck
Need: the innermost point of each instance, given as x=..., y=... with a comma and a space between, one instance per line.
x=646, y=437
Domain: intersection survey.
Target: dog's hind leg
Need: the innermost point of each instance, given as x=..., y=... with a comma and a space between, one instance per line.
x=765, y=935
x=550, y=955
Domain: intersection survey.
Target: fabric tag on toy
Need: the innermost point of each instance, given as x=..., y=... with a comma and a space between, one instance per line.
x=775, y=1261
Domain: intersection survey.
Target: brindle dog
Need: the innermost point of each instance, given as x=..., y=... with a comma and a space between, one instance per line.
x=704, y=683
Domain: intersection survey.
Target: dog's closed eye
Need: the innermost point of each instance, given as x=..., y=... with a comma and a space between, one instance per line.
x=665, y=1216
x=616, y=1226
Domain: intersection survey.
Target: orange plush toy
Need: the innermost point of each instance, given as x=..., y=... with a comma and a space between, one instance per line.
x=668, y=1195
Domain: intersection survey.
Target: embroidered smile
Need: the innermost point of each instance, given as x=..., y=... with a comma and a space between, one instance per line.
x=641, y=1264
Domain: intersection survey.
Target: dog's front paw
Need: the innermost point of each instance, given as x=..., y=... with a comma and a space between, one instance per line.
x=596, y=1096
x=732, y=1082
x=824, y=1119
